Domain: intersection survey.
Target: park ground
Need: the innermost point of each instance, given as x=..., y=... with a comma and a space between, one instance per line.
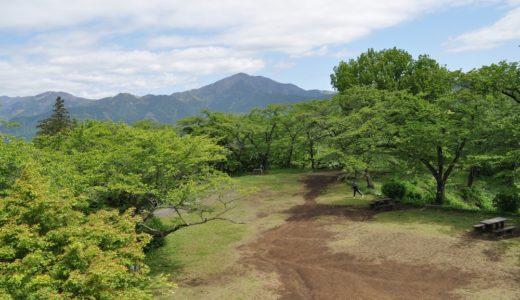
x=305, y=237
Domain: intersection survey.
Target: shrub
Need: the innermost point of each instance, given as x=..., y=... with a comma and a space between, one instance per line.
x=414, y=196
x=394, y=190
x=472, y=196
x=507, y=202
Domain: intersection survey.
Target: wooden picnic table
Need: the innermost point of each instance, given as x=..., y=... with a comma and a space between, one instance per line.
x=494, y=223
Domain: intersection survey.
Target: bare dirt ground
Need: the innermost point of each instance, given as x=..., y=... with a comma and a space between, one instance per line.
x=299, y=252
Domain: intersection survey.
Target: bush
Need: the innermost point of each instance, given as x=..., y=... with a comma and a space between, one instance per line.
x=507, y=202
x=394, y=190
x=414, y=196
x=472, y=196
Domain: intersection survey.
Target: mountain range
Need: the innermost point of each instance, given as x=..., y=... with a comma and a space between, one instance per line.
x=235, y=94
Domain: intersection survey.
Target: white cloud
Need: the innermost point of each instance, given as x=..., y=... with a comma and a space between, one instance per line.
x=105, y=72
x=100, y=47
x=290, y=26
x=504, y=30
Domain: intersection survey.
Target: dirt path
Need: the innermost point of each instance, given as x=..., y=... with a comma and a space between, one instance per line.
x=297, y=251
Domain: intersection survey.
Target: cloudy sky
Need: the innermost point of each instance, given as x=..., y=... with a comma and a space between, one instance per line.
x=96, y=48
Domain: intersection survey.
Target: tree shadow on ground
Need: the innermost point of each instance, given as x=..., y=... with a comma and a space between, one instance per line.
x=313, y=211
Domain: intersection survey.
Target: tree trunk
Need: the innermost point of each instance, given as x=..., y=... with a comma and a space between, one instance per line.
x=311, y=153
x=264, y=162
x=472, y=175
x=289, y=157
x=441, y=187
x=370, y=183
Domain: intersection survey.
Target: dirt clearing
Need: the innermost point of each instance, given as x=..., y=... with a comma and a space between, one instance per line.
x=300, y=252
x=305, y=237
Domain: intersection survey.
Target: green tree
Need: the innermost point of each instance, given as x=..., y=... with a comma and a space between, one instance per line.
x=395, y=69
x=316, y=127
x=263, y=125
x=383, y=69
x=292, y=126
x=145, y=167
x=500, y=83
x=229, y=131
x=359, y=130
x=435, y=134
x=52, y=247
x=423, y=114
x=58, y=122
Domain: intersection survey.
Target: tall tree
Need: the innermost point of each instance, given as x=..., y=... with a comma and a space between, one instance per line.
x=500, y=83
x=383, y=69
x=316, y=127
x=425, y=116
x=264, y=124
x=59, y=120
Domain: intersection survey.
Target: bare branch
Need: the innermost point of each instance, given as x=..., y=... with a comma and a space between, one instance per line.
x=179, y=214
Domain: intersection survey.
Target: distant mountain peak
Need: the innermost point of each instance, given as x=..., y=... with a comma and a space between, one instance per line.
x=240, y=75
x=53, y=94
x=126, y=95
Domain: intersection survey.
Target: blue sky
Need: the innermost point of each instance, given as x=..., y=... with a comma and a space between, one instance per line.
x=99, y=48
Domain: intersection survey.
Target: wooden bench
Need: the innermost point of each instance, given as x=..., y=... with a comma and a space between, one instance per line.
x=387, y=206
x=382, y=203
x=479, y=227
x=505, y=230
x=258, y=171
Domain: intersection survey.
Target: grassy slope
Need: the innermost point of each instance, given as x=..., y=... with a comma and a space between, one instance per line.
x=203, y=254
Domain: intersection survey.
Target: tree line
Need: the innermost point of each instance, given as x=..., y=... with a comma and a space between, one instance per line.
x=391, y=111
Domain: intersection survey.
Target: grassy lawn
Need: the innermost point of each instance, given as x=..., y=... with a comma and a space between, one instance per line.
x=457, y=221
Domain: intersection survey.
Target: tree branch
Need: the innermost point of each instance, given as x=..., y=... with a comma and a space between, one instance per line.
x=164, y=233
x=430, y=167
x=458, y=154
x=511, y=95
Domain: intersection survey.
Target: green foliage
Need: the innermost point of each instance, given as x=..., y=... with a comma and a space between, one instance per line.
x=502, y=79
x=13, y=153
x=143, y=167
x=278, y=136
x=380, y=69
x=58, y=122
x=472, y=196
x=414, y=197
x=51, y=248
x=507, y=202
x=394, y=190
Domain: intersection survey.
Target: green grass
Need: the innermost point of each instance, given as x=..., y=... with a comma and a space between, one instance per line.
x=278, y=180
x=341, y=194
x=197, y=250
x=456, y=221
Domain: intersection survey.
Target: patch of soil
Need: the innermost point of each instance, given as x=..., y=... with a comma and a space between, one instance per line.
x=308, y=269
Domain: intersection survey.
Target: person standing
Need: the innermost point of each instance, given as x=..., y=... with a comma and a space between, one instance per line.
x=355, y=189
